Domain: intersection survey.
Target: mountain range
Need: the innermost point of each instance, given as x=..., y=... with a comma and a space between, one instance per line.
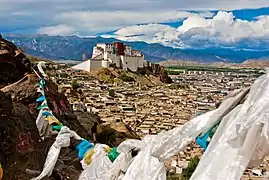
x=73, y=47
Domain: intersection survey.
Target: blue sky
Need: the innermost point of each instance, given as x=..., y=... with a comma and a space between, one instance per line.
x=178, y=23
x=244, y=14
x=90, y=17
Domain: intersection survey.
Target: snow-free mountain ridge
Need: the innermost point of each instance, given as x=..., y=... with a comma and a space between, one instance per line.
x=72, y=48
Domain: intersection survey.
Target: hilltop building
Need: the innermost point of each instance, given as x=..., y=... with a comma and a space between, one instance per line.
x=118, y=54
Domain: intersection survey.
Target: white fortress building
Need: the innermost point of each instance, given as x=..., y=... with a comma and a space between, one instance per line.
x=117, y=54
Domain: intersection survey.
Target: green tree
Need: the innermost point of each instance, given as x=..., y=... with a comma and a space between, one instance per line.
x=74, y=84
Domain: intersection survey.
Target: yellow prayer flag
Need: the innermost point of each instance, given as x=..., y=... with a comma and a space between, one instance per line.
x=88, y=156
x=52, y=119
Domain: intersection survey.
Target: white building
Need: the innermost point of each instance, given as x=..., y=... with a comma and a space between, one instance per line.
x=128, y=50
x=122, y=56
x=92, y=64
x=100, y=48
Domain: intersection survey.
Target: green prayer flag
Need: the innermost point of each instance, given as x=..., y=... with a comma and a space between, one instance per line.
x=39, y=84
x=42, y=106
x=57, y=127
x=113, y=154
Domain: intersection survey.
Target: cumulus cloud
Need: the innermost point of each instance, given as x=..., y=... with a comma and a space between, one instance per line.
x=223, y=29
x=196, y=31
x=89, y=17
x=61, y=29
x=101, y=21
x=149, y=33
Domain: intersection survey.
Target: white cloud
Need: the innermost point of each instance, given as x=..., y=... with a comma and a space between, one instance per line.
x=101, y=21
x=149, y=33
x=57, y=30
x=196, y=31
x=223, y=28
x=21, y=13
x=91, y=17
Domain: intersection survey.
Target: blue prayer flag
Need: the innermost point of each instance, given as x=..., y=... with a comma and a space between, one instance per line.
x=41, y=98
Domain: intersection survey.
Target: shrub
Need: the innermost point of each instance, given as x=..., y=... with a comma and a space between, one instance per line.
x=64, y=75
x=111, y=92
x=172, y=176
x=125, y=78
x=187, y=172
x=74, y=84
x=106, y=78
x=141, y=71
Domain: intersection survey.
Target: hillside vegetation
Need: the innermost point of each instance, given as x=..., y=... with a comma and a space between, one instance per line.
x=115, y=75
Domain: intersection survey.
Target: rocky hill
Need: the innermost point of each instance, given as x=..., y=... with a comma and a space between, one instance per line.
x=151, y=76
x=22, y=152
x=256, y=63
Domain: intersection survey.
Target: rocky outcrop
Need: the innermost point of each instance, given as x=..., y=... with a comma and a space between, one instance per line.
x=22, y=152
x=164, y=76
x=115, y=133
x=19, y=139
x=87, y=120
x=112, y=134
x=12, y=60
x=24, y=92
x=158, y=71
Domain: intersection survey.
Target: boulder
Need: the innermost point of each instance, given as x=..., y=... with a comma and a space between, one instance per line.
x=114, y=134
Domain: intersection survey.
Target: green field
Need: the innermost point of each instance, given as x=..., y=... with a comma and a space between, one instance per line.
x=174, y=70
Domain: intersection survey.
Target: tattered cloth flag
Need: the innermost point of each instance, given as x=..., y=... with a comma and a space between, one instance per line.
x=113, y=154
x=57, y=127
x=40, y=90
x=52, y=119
x=204, y=140
x=63, y=105
x=44, y=105
x=46, y=113
x=41, y=98
x=41, y=83
x=55, y=108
